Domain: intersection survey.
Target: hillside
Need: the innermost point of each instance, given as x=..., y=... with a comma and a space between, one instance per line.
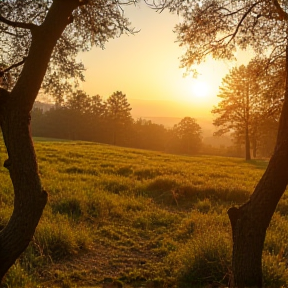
x=135, y=218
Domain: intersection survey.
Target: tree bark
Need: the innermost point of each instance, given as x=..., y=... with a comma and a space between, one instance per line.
x=250, y=221
x=29, y=196
x=247, y=143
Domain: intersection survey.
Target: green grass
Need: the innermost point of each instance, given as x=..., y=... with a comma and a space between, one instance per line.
x=147, y=219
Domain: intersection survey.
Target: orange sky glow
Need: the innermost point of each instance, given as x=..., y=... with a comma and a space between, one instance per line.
x=145, y=67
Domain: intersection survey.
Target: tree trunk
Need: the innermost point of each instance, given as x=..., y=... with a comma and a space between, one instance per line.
x=247, y=143
x=29, y=197
x=254, y=145
x=250, y=221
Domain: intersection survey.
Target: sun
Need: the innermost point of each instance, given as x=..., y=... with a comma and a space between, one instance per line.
x=200, y=89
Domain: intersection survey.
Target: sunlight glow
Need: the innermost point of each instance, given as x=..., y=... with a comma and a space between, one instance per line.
x=200, y=89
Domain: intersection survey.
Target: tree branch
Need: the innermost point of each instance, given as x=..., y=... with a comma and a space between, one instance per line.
x=241, y=21
x=11, y=67
x=282, y=14
x=14, y=24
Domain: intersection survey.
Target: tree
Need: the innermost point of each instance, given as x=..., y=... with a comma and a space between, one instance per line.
x=218, y=28
x=187, y=136
x=38, y=117
x=119, y=116
x=78, y=109
x=247, y=104
x=149, y=135
x=235, y=107
x=39, y=37
x=97, y=118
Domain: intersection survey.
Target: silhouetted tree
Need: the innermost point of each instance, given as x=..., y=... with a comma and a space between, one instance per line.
x=248, y=100
x=119, y=118
x=235, y=108
x=41, y=36
x=149, y=135
x=78, y=107
x=97, y=118
x=38, y=116
x=218, y=28
x=186, y=137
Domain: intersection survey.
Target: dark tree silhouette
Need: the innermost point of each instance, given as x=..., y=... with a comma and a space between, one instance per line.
x=218, y=28
x=187, y=136
x=247, y=102
x=39, y=37
x=119, y=117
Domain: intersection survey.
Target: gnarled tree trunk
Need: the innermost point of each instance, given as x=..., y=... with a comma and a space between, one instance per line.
x=30, y=198
x=250, y=221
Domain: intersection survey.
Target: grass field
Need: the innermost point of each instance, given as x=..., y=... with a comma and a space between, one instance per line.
x=138, y=218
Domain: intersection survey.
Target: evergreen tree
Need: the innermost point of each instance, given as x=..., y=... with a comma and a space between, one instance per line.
x=119, y=118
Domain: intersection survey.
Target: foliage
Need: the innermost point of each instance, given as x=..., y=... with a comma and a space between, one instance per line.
x=119, y=116
x=44, y=37
x=186, y=136
x=83, y=117
x=149, y=135
x=219, y=28
x=89, y=28
x=249, y=107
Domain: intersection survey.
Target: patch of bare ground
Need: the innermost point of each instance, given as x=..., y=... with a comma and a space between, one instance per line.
x=107, y=262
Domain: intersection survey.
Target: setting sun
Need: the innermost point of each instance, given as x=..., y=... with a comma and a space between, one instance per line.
x=200, y=89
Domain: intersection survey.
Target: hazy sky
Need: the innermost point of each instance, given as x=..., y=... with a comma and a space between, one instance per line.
x=146, y=66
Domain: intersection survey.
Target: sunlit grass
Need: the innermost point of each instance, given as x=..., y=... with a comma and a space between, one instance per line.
x=139, y=217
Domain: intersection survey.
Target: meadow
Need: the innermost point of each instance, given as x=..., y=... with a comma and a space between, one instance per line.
x=138, y=218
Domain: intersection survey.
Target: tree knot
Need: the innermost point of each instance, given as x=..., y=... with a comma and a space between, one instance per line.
x=7, y=163
x=234, y=214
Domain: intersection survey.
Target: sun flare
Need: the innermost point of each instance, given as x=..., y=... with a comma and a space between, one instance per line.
x=200, y=89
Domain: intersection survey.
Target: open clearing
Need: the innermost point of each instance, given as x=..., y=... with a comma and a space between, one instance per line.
x=138, y=218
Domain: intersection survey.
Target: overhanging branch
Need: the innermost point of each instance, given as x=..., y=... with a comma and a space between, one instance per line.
x=242, y=19
x=11, y=67
x=16, y=24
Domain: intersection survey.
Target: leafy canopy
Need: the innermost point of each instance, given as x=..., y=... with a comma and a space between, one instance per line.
x=219, y=27
x=93, y=23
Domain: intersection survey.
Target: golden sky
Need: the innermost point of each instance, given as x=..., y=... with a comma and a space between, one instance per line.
x=145, y=66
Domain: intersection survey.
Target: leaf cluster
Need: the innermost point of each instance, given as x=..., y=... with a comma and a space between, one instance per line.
x=93, y=23
x=249, y=96
x=219, y=27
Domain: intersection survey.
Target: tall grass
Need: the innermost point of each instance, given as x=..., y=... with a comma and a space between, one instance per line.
x=143, y=218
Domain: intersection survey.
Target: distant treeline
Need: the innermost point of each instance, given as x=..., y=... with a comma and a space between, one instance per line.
x=82, y=117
